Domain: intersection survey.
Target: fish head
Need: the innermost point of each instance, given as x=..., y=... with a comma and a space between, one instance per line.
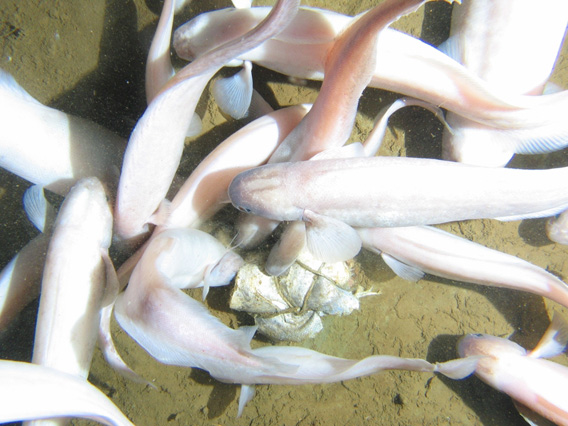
x=212, y=29
x=263, y=191
x=487, y=345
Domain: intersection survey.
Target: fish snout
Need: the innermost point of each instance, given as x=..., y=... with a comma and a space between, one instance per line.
x=237, y=192
x=260, y=191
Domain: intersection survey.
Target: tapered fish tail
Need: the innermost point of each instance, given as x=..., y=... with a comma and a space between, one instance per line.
x=315, y=367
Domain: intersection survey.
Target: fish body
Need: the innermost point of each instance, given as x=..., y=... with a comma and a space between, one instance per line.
x=155, y=312
x=159, y=68
x=74, y=281
x=349, y=67
x=381, y=191
x=334, y=195
x=143, y=184
x=178, y=330
x=534, y=382
x=425, y=249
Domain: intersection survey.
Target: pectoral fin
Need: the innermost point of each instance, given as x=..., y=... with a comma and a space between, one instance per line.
x=195, y=126
x=329, y=239
x=233, y=94
x=538, y=145
x=39, y=211
x=248, y=332
x=285, y=252
x=452, y=48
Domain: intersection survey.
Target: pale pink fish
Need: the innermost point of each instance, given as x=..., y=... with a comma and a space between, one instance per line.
x=513, y=47
x=408, y=66
x=51, y=148
x=156, y=144
x=534, y=383
x=413, y=251
x=29, y=391
x=348, y=70
x=178, y=330
x=79, y=284
x=329, y=197
x=74, y=281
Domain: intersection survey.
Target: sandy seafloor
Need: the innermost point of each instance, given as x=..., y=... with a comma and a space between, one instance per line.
x=87, y=58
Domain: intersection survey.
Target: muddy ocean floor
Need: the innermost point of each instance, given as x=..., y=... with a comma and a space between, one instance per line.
x=87, y=58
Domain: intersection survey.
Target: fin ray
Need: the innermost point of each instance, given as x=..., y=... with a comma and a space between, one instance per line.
x=329, y=239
